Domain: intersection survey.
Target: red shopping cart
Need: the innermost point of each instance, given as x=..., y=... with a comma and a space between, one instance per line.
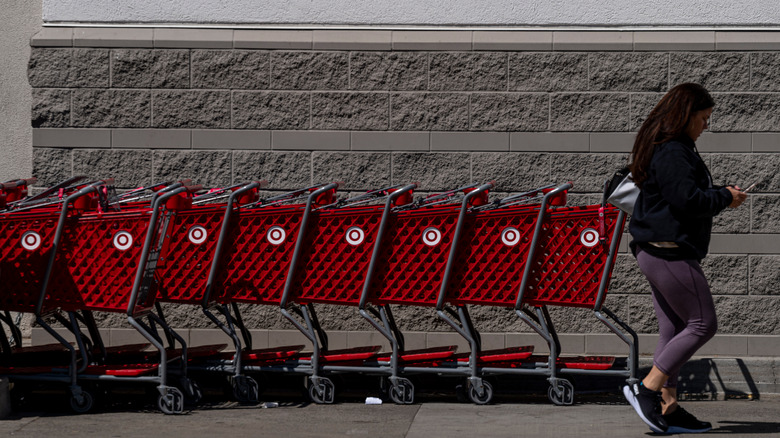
x=256, y=248
x=187, y=267
x=86, y=259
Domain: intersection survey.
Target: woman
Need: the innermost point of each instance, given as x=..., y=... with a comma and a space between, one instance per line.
x=671, y=227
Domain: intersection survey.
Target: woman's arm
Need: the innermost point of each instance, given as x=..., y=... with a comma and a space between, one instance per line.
x=674, y=166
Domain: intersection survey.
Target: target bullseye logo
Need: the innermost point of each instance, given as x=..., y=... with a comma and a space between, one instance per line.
x=355, y=236
x=510, y=236
x=276, y=235
x=589, y=237
x=123, y=240
x=431, y=236
x=197, y=234
x=31, y=241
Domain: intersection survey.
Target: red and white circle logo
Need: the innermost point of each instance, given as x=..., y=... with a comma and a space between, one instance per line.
x=510, y=236
x=355, y=236
x=431, y=236
x=197, y=234
x=31, y=241
x=276, y=235
x=589, y=237
x=123, y=240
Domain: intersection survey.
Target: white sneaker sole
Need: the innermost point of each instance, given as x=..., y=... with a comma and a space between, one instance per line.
x=629, y=394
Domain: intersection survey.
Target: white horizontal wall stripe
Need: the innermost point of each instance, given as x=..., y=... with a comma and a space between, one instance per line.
x=444, y=38
x=422, y=12
x=391, y=140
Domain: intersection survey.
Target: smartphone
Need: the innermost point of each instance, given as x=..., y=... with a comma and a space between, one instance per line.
x=752, y=186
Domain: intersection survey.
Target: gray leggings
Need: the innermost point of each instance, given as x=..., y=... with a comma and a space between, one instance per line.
x=684, y=308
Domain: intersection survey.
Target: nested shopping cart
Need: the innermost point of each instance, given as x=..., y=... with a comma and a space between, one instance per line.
x=529, y=258
x=82, y=257
x=12, y=193
x=27, y=223
x=32, y=229
x=187, y=268
x=256, y=247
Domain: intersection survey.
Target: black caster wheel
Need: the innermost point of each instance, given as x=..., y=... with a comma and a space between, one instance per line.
x=190, y=389
x=402, y=393
x=565, y=394
x=172, y=402
x=481, y=399
x=245, y=389
x=82, y=402
x=323, y=391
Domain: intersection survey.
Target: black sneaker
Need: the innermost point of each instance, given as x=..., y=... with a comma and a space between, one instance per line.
x=682, y=421
x=646, y=403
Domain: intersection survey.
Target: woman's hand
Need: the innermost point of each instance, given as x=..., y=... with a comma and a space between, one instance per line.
x=737, y=196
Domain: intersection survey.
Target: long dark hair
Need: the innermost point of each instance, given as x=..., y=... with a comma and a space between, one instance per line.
x=668, y=120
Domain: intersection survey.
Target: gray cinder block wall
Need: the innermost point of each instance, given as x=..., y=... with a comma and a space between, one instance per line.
x=375, y=108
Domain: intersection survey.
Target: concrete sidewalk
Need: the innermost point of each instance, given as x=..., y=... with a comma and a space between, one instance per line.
x=520, y=409
x=738, y=397
x=599, y=418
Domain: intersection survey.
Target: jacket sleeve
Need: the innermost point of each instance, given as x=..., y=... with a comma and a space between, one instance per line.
x=675, y=167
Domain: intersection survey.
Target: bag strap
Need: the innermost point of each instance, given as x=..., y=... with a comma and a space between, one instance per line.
x=609, y=186
x=602, y=219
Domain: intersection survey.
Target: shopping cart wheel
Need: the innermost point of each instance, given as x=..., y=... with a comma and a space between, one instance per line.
x=190, y=389
x=245, y=389
x=82, y=402
x=322, y=391
x=487, y=393
x=172, y=402
x=565, y=394
x=20, y=395
x=402, y=393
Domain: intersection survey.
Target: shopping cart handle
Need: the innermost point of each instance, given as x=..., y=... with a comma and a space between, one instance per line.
x=556, y=196
x=193, y=188
x=14, y=183
x=560, y=188
x=401, y=196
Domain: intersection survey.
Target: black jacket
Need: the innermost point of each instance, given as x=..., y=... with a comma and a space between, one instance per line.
x=677, y=203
